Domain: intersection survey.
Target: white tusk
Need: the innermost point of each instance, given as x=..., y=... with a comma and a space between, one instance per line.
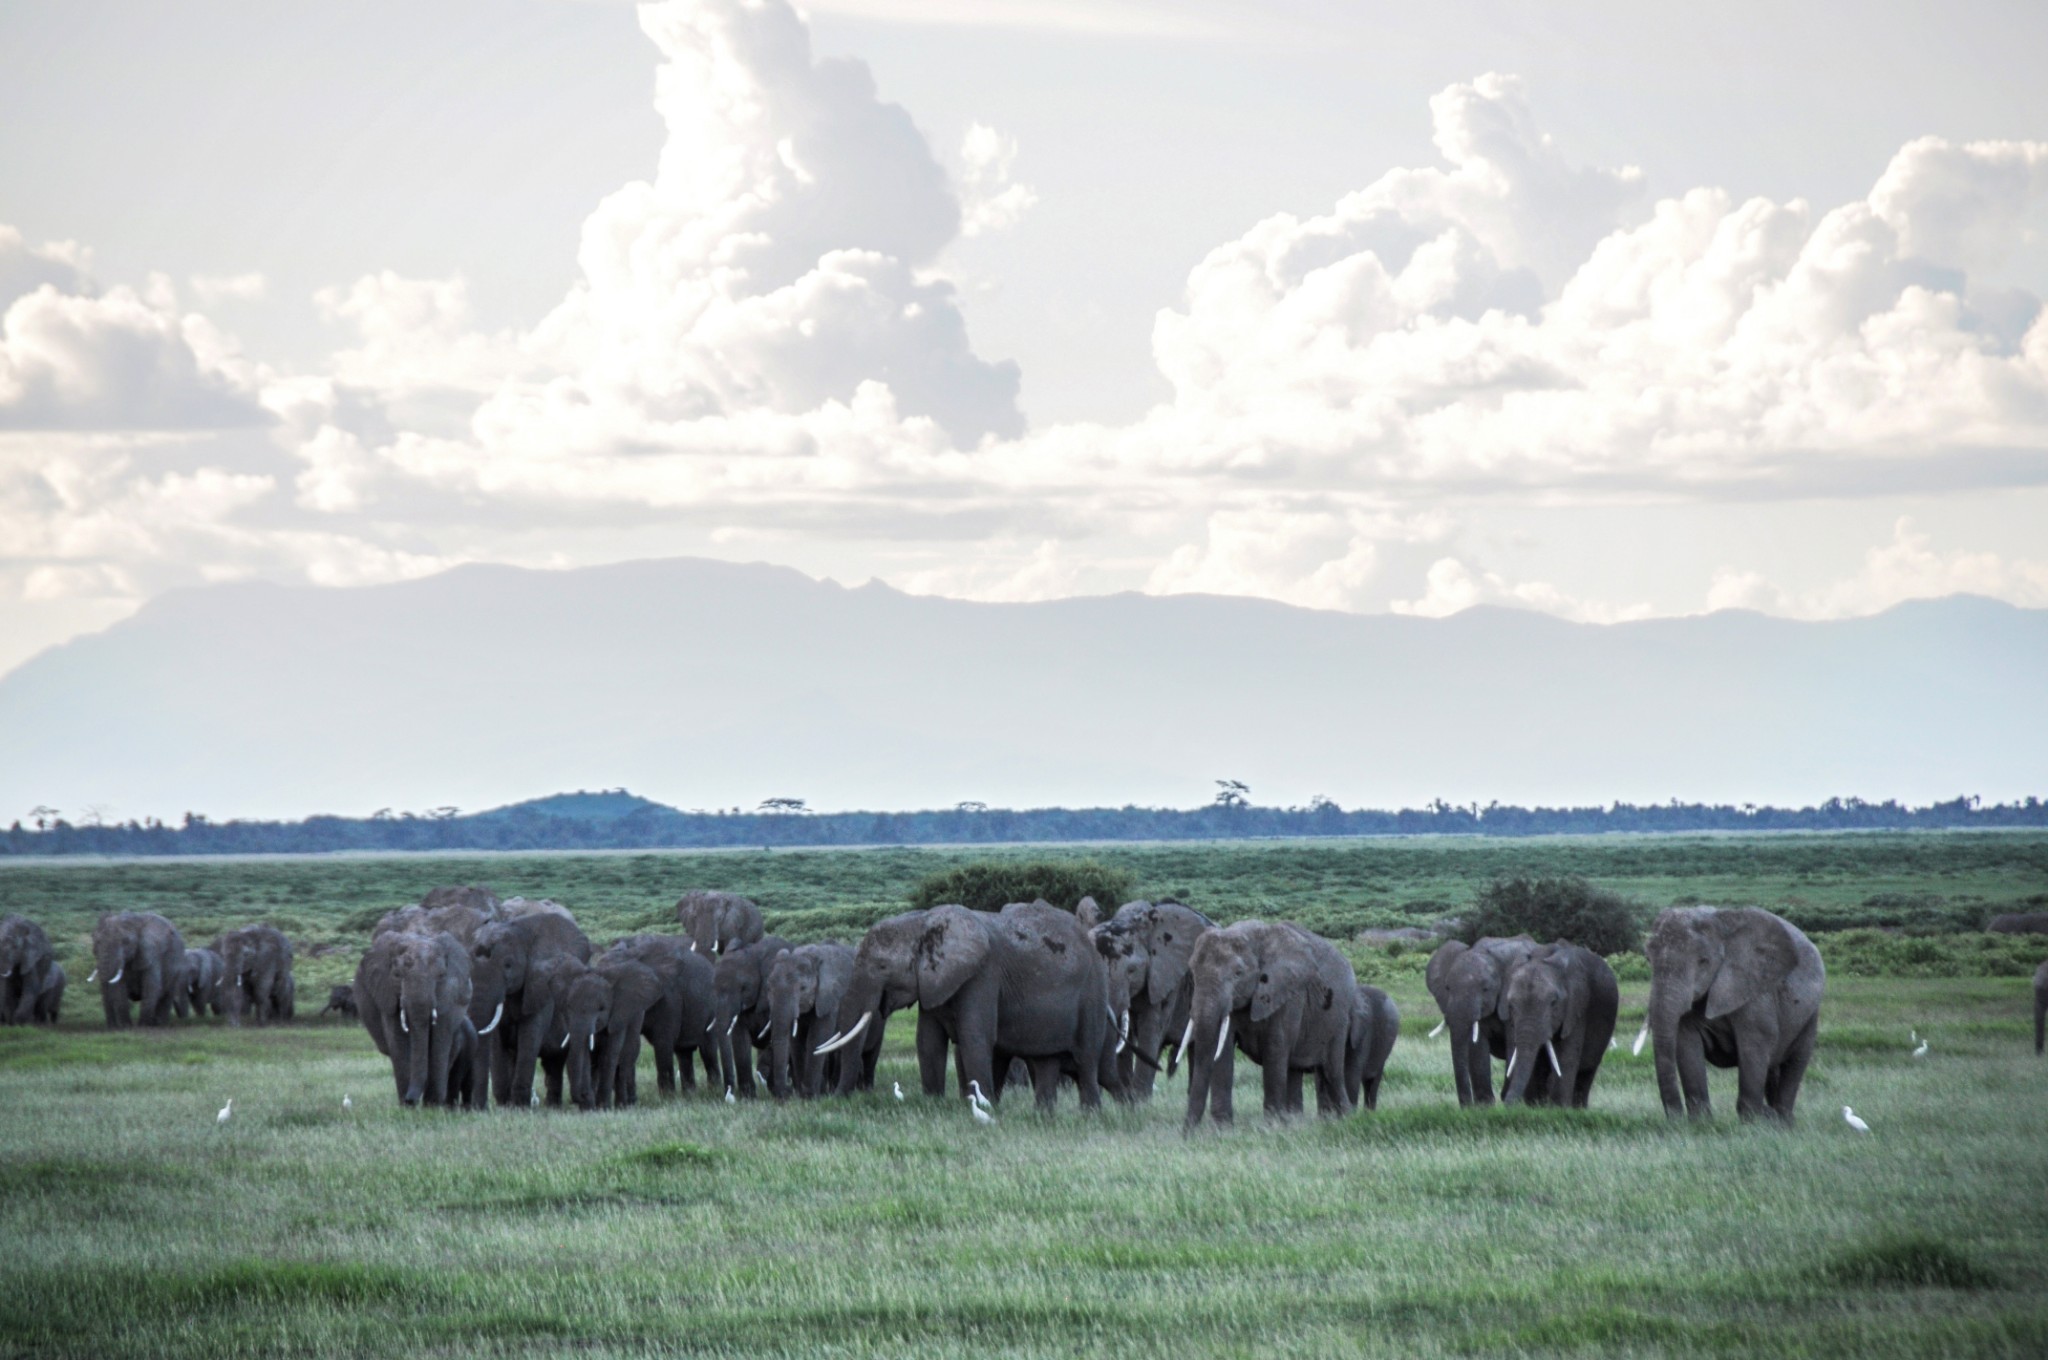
x=239, y=977
x=1124, y=1030
x=764, y=1032
x=119, y=973
x=792, y=1029
x=93, y=976
x=1439, y=1028
x=842, y=1040
x=714, y=946
x=821, y=1047
x=1475, y=1031
x=711, y=1024
x=1222, y=1040
x=732, y=1024
x=1637, y=1051
x=403, y=1028
x=1511, y=1064
x=593, y=1041
x=434, y=1016
x=1551, y=1049
x=693, y=946
x=496, y=1016
x=1119, y=1047
x=1185, y=1036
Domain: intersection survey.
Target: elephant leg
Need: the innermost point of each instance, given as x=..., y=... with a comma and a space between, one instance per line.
x=1479, y=1071
x=551, y=1070
x=1045, y=1083
x=1222, y=1077
x=1754, y=1047
x=1794, y=1070
x=1280, y=1083
x=1328, y=1102
x=870, y=1056
x=501, y=1064
x=1291, y=1088
x=931, y=1054
x=524, y=1056
x=1692, y=1072
x=665, y=1066
x=975, y=1049
x=401, y=1056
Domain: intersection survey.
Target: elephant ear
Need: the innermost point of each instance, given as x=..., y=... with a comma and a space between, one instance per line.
x=1758, y=954
x=1437, y=975
x=1168, y=967
x=953, y=947
x=1278, y=980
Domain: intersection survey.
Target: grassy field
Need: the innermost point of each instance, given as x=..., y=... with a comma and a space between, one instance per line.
x=133, y=1225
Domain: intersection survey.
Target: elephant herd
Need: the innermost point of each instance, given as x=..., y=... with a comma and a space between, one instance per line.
x=468, y=994
x=146, y=974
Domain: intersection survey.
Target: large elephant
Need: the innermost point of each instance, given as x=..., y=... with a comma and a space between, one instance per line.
x=1467, y=982
x=717, y=922
x=503, y=954
x=1558, y=1010
x=602, y=1016
x=138, y=957
x=1283, y=996
x=805, y=987
x=461, y=911
x=1736, y=987
x=2041, y=1006
x=739, y=1009
x=199, y=985
x=1375, y=1025
x=1024, y=982
x=413, y=994
x=257, y=975
x=28, y=969
x=676, y=1025
x=1152, y=942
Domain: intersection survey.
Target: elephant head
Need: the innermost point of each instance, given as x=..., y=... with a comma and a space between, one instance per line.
x=1467, y=983
x=1536, y=1008
x=1245, y=972
x=114, y=946
x=431, y=991
x=602, y=1012
x=717, y=922
x=504, y=954
x=1126, y=960
x=804, y=982
x=884, y=981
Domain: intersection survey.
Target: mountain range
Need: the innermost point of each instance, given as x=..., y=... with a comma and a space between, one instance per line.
x=708, y=684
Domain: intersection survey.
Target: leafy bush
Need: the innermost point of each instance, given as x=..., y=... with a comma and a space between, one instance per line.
x=1559, y=908
x=1879, y=953
x=990, y=885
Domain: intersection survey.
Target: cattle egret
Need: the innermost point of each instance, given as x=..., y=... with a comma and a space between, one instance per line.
x=1439, y=1028
x=976, y=1098
x=1914, y=1035
x=730, y=1098
x=1921, y=1051
x=533, y=1101
x=982, y=1116
x=347, y=1104
x=898, y=1086
x=1849, y=1118
x=225, y=1111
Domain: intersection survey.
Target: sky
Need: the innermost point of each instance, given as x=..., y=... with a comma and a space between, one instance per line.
x=1610, y=310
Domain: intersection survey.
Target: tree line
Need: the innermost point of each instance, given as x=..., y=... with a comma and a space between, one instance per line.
x=554, y=824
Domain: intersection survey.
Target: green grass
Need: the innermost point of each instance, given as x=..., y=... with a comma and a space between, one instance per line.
x=133, y=1225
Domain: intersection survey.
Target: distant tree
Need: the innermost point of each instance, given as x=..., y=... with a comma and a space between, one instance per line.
x=781, y=805
x=1233, y=793
x=970, y=806
x=991, y=885
x=443, y=814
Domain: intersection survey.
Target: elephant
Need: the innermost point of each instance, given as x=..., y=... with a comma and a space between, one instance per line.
x=256, y=976
x=601, y=1015
x=1559, y=1009
x=1024, y=982
x=1153, y=942
x=139, y=957
x=199, y=985
x=739, y=1002
x=718, y=921
x=677, y=1023
x=1467, y=982
x=1736, y=987
x=1375, y=1025
x=1282, y=995
x=2041, y=1007
x=28, y=969
x=502, y=954
x=461, y=911
x=805, y=986
x=49, y=1007
x=2019, y=923
x=412, y=994
x=341, y=999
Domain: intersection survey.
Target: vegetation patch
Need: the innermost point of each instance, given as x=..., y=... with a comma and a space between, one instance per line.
x=1565, y=907
x=990, y=885
x=675, y=1157
x=1907, y=1261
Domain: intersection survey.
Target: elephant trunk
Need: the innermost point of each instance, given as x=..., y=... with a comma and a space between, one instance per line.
x=582, y=1046
x=418, y=1024
x=860, y=1014
x=782, y=1022
x=1207, y=1045
x=1528, y=1063
x=1668, y=1004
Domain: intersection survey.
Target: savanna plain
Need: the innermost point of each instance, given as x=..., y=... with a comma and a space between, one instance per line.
x=132, y=1223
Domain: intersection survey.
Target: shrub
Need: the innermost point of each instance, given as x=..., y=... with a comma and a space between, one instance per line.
x=990, y=885
x=1561, y=908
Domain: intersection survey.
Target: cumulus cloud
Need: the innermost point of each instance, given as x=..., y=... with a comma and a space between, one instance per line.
x=417, y=335
x=213, y=289
x=1909, y=567
x=1453, y=587
x=993, y=200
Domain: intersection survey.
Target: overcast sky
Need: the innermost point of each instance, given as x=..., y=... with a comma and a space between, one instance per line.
x=1610, y=309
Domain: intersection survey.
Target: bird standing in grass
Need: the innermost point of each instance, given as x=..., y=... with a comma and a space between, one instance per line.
x=225, y=1111
x=977, y=1099
x=981, y=1116
x=346, y=1103
x=898, y=1087
x=1921, y=1051
x=1849, y=1118
x=730, y=1098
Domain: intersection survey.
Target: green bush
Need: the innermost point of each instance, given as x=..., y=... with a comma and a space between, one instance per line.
x=1880, y=953
x=1557, y=908
x=990, y=885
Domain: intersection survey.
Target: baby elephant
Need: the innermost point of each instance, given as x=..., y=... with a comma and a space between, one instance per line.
x=341, y=999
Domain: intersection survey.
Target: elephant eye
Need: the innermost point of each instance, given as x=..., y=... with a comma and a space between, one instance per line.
x=1168, y=938
x=1262, y=977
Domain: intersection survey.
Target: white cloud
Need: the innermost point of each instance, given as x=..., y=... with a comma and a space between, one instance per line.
x=416, y=337
x=1097, y=18
x=991, y=199
x=1909, y=567
x=214, y=289
x=1453, y=586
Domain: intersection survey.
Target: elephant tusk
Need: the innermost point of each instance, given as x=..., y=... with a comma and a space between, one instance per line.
x=732, y=1024
x=792, y=1029
x=403, y=1028
x=93, y=976
x=1475, y=1031
x=693, y=946
x=434, y=1016
x=593, y=1041
x=711, y=1024
x=841, y=1041
x=239, y=979
x=1511, y=1064
x=764, y=1032
x=1551, y=1049
x=1124, y=1030
x=1222, y=1040
x=1637, y=1051
x=119, y=973
x=496, y=1016
x=1439, y=1028
x=1186, y=1036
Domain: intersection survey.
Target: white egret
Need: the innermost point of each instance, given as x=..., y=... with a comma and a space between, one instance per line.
x=982, y=1116
x=898, y=1086
x=225, y=1111
x=730, y=1098
x=1921, y=1051
x=346, y=1103
x=1849, y=1118
x=976, y=1098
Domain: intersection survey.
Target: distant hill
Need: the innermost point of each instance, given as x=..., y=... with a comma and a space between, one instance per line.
x=607, y=805
x=712, y=686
